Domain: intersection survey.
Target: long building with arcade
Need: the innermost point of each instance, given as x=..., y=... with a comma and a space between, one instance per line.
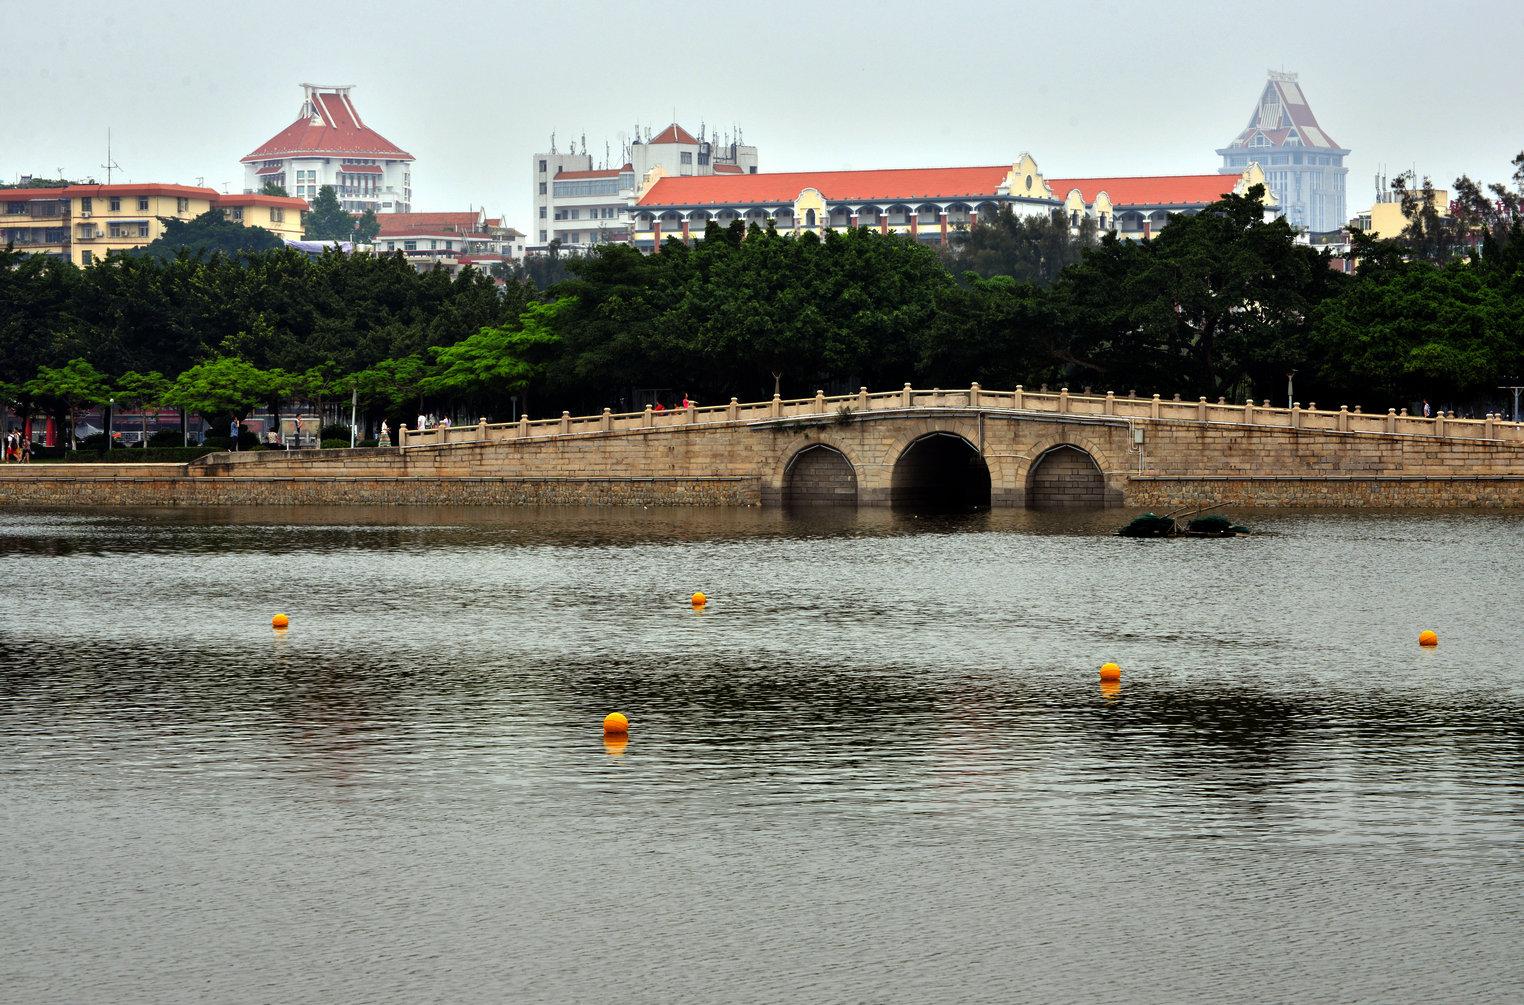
x=928, y=204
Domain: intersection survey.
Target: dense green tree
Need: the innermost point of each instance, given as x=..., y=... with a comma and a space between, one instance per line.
x=209, y=233
x=221, y=388
x=1031, y=248
x=144, y=390
x=1423, y=331
x=367, y=227
x=1215, y=304
x=484, y=368
x=327, y=220
x=74, y=385
x=271, y=188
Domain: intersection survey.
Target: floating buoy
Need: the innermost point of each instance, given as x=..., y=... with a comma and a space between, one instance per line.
x=615, y=724
x=279, y=621
x=698, y=599
x=1428, y=638
x=1111, y=672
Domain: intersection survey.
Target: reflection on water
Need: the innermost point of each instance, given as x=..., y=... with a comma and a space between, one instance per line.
x=878, y=766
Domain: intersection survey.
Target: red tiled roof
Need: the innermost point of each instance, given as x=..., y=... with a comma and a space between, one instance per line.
x=728, y=169
x=891, y=185
x=360, y=169
x=335, y=131
x=271, y=169
x=1166, y=190
x=28, y=194
x=451, y=225
x=673, y=134
x=260, y=199
x=596, y=173
x=189, y=191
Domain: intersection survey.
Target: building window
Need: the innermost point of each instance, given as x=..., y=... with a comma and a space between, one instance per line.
x=116, y=204
x=576, y=214
x=182, y=205
x=542, y=237
x=433, y=245
x=686, y=157
x=409, y=245
x=277, y=215
x=86, y=257
x=542, y=212
x=86, y=204
x=542, y=188
x=142, y=204
x=542, y=167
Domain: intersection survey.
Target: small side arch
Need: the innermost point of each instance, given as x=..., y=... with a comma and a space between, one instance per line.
x=1065, y=476
x=819, y=475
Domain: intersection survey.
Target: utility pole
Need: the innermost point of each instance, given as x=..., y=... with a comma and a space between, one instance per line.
x=354, y=401
x=1515, y=388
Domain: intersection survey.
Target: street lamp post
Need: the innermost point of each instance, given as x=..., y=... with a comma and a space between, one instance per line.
x=110, y=416
x=1290, y=390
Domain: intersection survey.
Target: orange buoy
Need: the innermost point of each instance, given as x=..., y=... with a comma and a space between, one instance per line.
x=615, y=724
x=1111, y=672
x=698, y=599
x=279, y=621
x=1428, y=638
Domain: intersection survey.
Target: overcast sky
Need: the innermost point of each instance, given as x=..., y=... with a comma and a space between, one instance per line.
x=473, y=88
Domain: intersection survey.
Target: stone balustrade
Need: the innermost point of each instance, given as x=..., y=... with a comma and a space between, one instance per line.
x=1061, y=402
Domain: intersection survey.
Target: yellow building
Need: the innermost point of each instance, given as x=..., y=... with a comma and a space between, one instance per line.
x=84, y=223
x=279, y=214
x=1385, y=219
x=108, y=218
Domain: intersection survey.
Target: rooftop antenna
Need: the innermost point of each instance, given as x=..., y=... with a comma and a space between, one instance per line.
x=110, y=164
x=552, y=141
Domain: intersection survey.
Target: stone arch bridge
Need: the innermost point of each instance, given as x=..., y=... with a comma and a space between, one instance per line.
x=926, y=448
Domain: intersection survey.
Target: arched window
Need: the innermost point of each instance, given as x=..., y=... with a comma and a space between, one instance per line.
x=809, y=218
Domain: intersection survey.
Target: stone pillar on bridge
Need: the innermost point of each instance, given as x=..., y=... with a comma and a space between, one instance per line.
x=402, y=435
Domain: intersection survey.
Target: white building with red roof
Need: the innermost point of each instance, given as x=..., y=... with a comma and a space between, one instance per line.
x=449, y=240
x=579, y=205
x=1303, y=164
x=329, y=144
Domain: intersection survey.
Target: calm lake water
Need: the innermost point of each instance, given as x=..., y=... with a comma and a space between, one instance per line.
x=879, y=767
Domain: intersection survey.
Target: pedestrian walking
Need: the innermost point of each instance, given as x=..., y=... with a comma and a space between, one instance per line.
x=385, y=439
x=1426, y=408
x=233, y=432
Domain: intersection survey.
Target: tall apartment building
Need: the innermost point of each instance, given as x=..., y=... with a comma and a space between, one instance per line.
x=580, y=205
x=329, y=144
x=1303, y=164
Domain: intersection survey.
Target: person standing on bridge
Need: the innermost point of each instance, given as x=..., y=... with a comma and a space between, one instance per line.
x=1426, y=408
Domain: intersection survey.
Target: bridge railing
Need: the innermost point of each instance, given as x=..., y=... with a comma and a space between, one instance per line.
x=1060, y=402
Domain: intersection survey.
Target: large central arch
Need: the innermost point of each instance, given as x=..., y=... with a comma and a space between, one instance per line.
x=940, y=471
x=820, y=475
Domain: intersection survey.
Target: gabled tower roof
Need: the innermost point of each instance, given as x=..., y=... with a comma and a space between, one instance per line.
x=328, y=126
x=673, y=134
x=1284, y=119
